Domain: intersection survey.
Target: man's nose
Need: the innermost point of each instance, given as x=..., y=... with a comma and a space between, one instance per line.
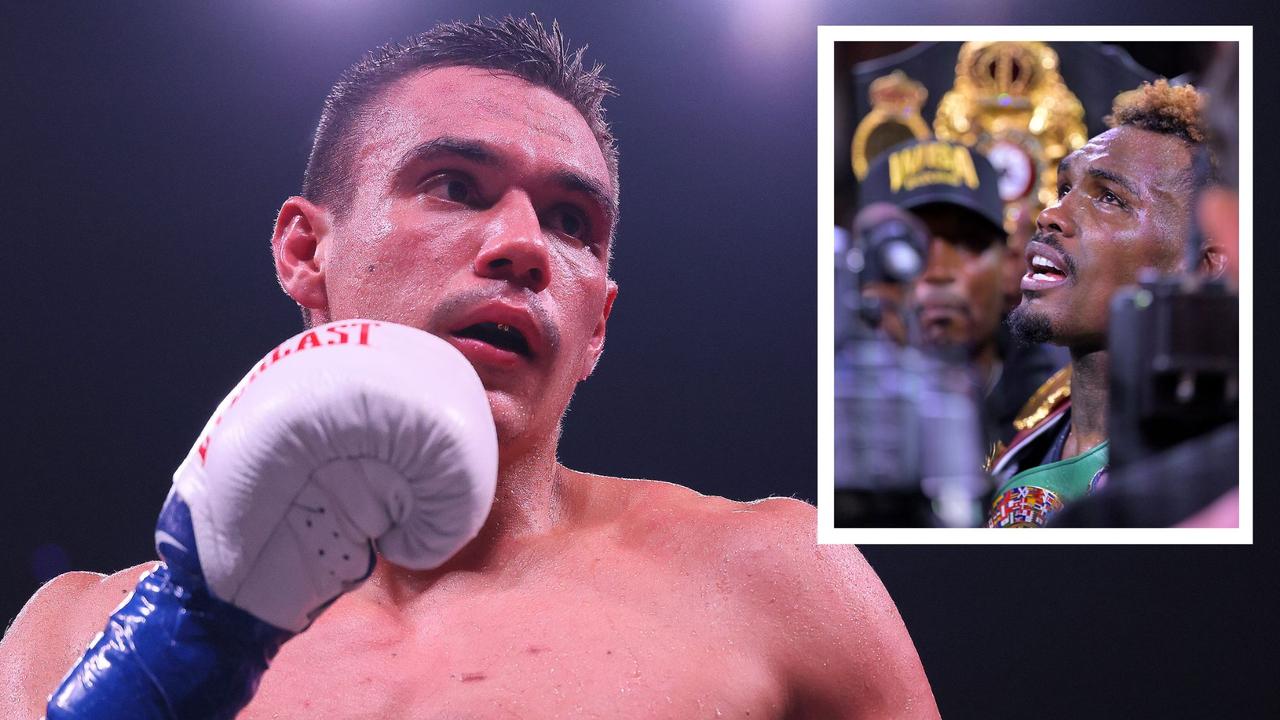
x=940, y=264
x=1056, y=219
x=515, y=249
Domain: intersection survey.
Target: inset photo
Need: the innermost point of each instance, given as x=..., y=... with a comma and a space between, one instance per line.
x=1035, y=284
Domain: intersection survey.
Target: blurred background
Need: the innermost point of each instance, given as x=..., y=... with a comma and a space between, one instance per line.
x=146, y=149
x=1093, y=72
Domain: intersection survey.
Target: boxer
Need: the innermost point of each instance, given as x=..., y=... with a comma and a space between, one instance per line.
x=1125, y=202
x=463, y=184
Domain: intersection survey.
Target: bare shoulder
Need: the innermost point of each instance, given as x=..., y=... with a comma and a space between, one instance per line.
x=828, y=625
x=52, y=631
x=767, y=545
x=772, y=544
x=782, y=531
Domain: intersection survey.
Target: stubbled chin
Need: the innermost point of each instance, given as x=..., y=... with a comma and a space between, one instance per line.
x=511, y=418
x=1030, y=324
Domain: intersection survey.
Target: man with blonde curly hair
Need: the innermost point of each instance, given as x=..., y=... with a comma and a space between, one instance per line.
x=1125, y=202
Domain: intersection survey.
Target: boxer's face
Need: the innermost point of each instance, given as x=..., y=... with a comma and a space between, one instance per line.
x=1123, y=204
x=482, y=214
x=958, y=297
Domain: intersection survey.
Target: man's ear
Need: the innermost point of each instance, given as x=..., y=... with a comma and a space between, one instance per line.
x=596, y=346
x=1219, y=215
x=1213, y=260
x=298, y=245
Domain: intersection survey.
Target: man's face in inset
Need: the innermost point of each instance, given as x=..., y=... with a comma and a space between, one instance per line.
x=959, y=297
x=483, y=214
x=1123, y=204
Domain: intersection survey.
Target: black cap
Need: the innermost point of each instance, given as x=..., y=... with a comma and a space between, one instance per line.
x=921, y=172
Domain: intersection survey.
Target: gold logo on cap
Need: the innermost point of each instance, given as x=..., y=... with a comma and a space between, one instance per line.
x=931, y=164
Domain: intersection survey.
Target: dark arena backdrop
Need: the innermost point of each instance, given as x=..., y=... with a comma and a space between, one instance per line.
x=147, y=147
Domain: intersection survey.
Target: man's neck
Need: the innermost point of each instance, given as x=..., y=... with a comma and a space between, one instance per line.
x=1089, y=388
x=528, y=502
x=528, y=499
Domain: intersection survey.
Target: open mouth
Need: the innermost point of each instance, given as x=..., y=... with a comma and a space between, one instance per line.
x=499, y=335
x=1043, y=269
x=1046, y=267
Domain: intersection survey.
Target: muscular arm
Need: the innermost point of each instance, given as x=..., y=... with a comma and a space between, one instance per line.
x=51, y=633
x=836, y=635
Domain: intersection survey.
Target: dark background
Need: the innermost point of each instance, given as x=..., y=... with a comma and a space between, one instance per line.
x=146, y=148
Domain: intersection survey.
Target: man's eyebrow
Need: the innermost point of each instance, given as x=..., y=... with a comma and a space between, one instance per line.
x=1064, y=168
x=447, y=145
x=1113, y=177
x=575, y=182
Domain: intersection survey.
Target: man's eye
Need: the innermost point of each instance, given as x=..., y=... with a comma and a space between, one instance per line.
x=457, y=191
x=1063, y=190
x=453, y=188
x=569, y=221
x=1111, y=198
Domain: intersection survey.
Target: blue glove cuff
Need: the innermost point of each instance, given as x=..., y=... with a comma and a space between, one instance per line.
x=173, y=650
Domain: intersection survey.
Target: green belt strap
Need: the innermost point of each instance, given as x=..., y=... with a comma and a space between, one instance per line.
x=1068, y=479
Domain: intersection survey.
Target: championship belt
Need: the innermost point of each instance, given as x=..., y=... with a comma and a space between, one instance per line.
x=1033, y=495
x=894, y=118
x=1011, y=104
x=1046, y=401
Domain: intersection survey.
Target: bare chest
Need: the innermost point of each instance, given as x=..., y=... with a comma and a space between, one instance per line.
x=612, y=647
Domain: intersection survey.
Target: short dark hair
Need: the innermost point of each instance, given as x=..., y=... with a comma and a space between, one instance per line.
x=521, y=47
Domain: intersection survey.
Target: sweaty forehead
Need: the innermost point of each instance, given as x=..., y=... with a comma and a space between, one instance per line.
x=527, y=121
x=1152, y=161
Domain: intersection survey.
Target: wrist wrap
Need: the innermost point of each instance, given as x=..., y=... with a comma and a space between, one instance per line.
x=172, y=650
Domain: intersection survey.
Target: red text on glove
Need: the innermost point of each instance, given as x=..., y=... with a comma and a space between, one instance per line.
x=352, y=333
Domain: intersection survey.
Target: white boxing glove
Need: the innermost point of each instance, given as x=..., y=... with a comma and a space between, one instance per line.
x=351, y=433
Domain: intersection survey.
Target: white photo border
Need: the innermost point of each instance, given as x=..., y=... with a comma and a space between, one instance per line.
x=827, y=532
